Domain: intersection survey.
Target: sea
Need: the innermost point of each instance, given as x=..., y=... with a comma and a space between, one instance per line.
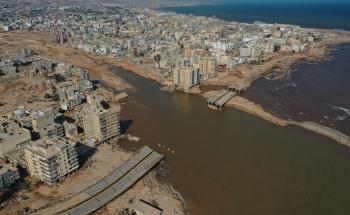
x=313, y=14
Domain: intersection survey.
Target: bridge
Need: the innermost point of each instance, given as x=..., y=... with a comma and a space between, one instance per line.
x=109, y=187
x=220, y=99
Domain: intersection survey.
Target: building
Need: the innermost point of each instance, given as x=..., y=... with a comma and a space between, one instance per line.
x=186, y=77
x=121, y=97
x=44, y=123
x=70, y=130
x=142, y=207
x=68, y=97
x=253, y=52
x=8, y=175
x=101, y=124
x=11, y=137
x=42, y=119
x=50, y=159
x=82, y=80
x=207, y=67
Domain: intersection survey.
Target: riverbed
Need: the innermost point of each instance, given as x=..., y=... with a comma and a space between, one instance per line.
x=231, y=162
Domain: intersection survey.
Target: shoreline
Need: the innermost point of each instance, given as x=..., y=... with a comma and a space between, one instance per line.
x=318, y=52
x=250, y=107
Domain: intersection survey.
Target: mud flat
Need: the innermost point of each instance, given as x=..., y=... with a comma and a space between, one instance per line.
x=255, y=109
x=323, y=130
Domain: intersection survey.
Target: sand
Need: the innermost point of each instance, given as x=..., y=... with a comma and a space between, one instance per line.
x=23, y=90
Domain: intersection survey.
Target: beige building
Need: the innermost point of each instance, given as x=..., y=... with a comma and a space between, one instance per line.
x=8, y=175
x=42, y=119
x=11, y=137
x=101, y=124
x=141, y=207
x=251, y=51
x=50, y=159
x=207, y=67
x=186, y=77
x=44, y=123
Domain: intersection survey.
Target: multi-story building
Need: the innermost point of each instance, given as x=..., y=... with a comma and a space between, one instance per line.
x=186, y=77
x=253, y=52
x=44, y=123
x=8, y=175
x=12, y=136
x=82, y=80
x=42, y=119
x=207, y=67
x=101, y=124
x=50, y=159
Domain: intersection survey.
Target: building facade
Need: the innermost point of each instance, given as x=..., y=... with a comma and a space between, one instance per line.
x=186, y=77
x=8, y=175
x=207, y=67
x=102, y=125
x=50, y=159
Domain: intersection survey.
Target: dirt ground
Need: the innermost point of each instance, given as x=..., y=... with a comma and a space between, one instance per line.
x=23, y=90
x=103, y=161
x=39, y=42
x=147, y=189
x=18, y=90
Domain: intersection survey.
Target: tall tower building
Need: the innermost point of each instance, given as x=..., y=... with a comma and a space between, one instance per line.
x=186, y=77
x=101, y=124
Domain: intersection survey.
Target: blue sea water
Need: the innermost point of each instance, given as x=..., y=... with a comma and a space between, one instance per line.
x=328, y=15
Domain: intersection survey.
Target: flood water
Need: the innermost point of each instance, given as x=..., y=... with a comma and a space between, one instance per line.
x=318, y=92
x=230, y=162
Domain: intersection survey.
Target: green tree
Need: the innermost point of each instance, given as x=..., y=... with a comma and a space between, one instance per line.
x=27, y=185
x=157, y=57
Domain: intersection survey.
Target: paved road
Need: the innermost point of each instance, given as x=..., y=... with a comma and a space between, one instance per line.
x=109, y=187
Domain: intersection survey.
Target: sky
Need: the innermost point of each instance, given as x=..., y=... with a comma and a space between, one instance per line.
x=279, y=1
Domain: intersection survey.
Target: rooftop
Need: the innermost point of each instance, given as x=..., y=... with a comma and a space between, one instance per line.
x=49, y=147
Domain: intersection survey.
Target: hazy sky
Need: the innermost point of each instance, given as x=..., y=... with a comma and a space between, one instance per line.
x=262, y=1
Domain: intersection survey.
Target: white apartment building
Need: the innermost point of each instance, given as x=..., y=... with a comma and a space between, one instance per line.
x=50, y=159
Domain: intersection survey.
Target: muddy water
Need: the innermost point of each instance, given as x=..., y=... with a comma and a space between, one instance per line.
x=318, y=92
x=230, y=162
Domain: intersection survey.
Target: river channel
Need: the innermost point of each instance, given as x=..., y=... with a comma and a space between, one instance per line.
x=230, y=162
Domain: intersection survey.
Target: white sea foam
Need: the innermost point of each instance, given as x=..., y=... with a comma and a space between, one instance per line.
x=345, y=110
x=341, y=118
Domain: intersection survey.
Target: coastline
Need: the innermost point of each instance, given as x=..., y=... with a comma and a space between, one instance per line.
x=318, y=52
x=101, y=70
